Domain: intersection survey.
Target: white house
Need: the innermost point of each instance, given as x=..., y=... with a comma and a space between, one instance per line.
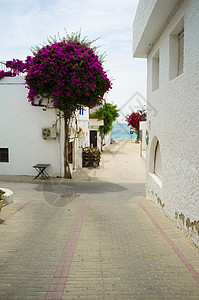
x=166, y=33
x=34, y=134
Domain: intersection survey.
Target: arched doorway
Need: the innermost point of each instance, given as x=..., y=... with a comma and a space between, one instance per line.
x=155, y=162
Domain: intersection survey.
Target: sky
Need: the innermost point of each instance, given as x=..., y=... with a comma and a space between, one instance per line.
x=26, y=23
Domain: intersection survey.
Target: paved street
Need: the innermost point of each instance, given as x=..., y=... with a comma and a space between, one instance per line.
x=93, y=237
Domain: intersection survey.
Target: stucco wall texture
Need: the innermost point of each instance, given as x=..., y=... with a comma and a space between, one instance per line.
x=173, y=114
x=21, y=132
x=144, y=10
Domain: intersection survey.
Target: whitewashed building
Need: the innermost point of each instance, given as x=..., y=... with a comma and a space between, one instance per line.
x=143, y=145
x=166, y=33
x=31, y=135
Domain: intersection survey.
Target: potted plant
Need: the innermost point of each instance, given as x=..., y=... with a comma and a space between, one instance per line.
x=1, y=200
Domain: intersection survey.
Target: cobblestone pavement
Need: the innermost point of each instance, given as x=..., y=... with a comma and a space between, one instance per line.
x=93, y=237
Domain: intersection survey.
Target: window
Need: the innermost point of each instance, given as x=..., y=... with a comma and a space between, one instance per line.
x=176, y=50
x=157, y=161
x=4, y=157
x=81, y=112
x=155, y=71
x=180, y=53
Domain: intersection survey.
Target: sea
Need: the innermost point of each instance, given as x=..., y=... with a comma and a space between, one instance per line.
x=121, y=131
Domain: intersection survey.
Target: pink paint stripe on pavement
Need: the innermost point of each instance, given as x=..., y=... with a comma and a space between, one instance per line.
x=187, y=264
x=16, y=211
x=58, y=283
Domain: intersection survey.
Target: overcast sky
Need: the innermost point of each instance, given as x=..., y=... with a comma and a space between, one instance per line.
x=26, y=23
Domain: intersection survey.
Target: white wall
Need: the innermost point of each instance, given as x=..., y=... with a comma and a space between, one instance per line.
x=173, y=114
x=83, y=123
x=107, y=140
x=82, y=139
x=21, y=131
x=143, y=127
x=150, y=19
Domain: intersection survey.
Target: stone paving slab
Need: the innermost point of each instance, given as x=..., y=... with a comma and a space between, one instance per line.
x=134, y=261
x=104, y=243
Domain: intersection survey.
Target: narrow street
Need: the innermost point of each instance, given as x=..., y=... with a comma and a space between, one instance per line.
x=93, y=237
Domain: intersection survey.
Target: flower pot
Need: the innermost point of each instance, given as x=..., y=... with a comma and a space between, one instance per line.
x=7, y=196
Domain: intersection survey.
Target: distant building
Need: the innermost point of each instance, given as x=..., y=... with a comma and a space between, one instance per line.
x=95, y=139
x=166, y=33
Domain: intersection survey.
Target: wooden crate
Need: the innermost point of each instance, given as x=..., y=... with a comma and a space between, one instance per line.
x=91, y=157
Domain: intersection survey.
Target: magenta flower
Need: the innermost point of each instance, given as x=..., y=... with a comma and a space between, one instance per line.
x=67, y=72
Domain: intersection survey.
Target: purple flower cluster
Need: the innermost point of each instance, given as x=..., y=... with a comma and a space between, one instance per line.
x=17, y=66
x=68, y=73
x=6, y=74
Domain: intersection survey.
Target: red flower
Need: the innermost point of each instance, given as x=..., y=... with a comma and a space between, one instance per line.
x=134, y=119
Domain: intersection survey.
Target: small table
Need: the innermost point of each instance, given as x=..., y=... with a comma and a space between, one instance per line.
x=41, y=170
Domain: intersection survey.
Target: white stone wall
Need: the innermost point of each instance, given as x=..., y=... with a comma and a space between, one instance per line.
x=150, y=19
x=143, y=145
x=21, y=132
x=83, y=123
x=107, y=140
x=173, y=115
x=142, y=16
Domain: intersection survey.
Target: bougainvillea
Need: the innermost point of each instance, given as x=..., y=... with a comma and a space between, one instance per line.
x=6, y=74
x=69, y=75
x=17, y=66
x=134, y=119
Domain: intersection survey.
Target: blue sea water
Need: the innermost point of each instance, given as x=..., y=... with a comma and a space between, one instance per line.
x=121, y=131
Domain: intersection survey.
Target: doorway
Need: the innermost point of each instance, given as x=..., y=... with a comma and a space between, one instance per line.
x=93, y=138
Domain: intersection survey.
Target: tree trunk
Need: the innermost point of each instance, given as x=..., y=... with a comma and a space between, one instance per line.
x=67, y=173
x=137, y=132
